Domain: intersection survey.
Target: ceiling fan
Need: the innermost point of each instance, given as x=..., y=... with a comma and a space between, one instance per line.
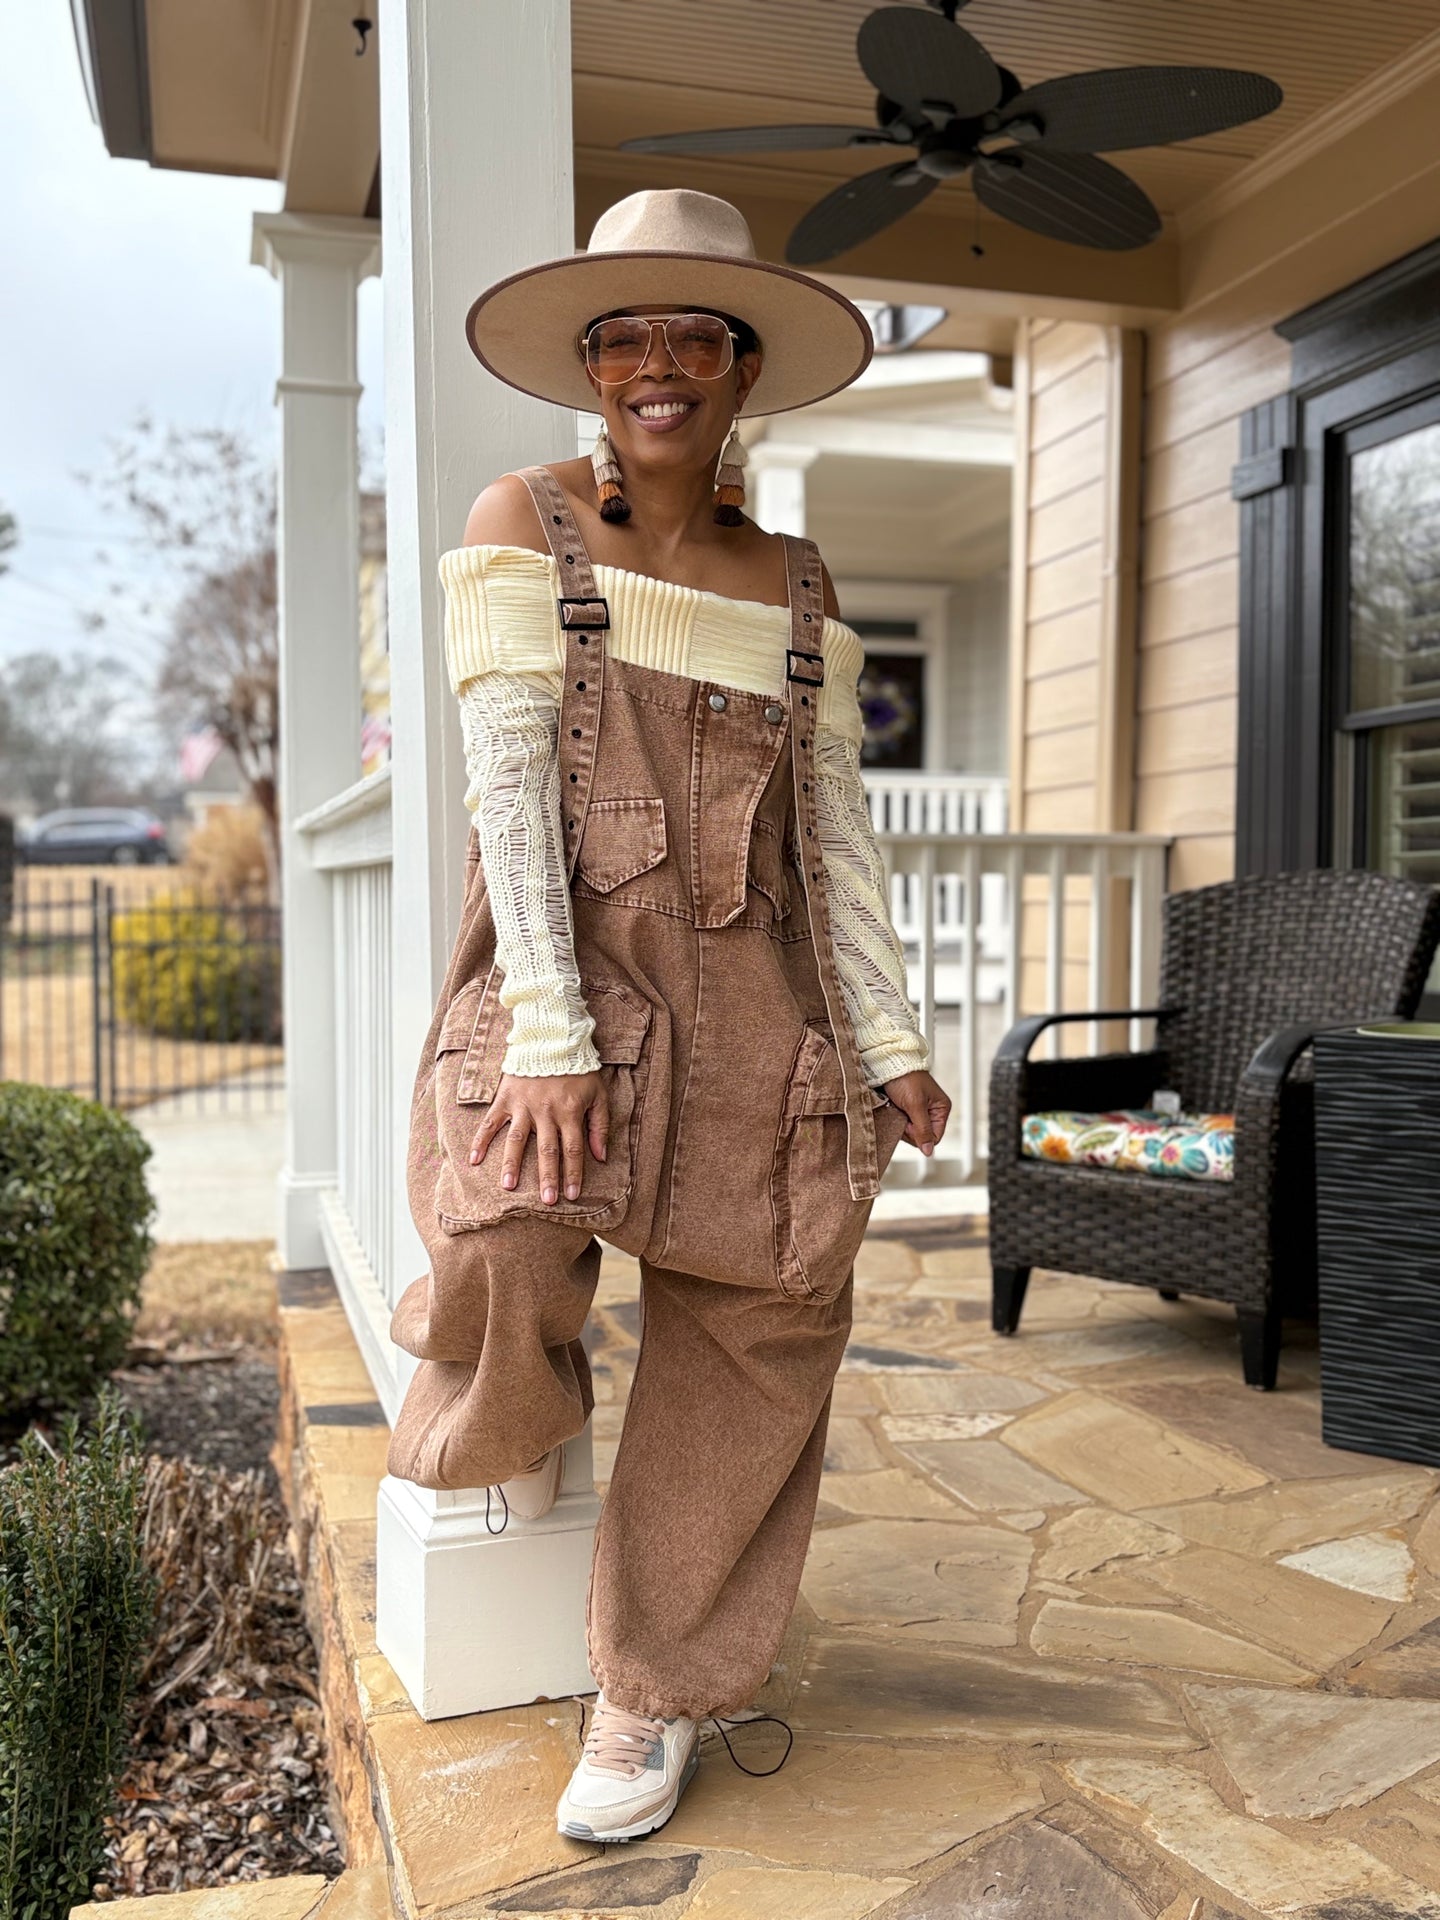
x=1030, y=151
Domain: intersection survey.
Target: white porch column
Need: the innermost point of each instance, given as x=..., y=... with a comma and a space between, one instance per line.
x=476, y=182
x=775, y=478
x=319, y=261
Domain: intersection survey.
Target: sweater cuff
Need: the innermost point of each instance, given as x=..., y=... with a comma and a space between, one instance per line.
x=905, y=1053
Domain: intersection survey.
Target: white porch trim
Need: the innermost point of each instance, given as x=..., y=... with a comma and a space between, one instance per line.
x=319, y=261
x=476, y=182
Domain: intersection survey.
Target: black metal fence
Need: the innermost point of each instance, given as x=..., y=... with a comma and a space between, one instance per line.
x=141, y=991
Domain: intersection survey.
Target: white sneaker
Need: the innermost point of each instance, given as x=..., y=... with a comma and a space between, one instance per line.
x=630, y=1777
x=529, y=1495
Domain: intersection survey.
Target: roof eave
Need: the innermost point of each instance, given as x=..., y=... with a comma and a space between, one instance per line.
x=110, y=42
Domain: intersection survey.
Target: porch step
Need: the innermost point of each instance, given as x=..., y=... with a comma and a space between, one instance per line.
x=439, y=1803
x=361, y=1893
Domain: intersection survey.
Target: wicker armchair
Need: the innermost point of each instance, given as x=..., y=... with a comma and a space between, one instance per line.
x=1250, y=971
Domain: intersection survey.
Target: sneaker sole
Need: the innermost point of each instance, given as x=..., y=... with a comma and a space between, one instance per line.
x=649, y=1823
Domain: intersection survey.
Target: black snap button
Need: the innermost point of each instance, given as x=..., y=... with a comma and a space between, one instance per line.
x=804, y=583
x=570, y=561
x=804, y=699
x=574, y=733
x=804, y=743
x=573, y=778
x=806, y=618
x=556, y=518
x=579, y=686
x=584, y=640
x=804, y=786
x=571, y=825
x=808, y=829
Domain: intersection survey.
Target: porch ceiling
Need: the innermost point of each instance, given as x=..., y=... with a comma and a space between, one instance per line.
x=273, y=87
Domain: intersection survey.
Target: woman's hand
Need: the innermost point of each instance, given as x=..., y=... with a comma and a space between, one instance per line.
x=926, y=1107
x=563, y=1111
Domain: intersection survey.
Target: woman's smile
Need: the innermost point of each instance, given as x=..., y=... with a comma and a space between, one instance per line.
x=662, y=413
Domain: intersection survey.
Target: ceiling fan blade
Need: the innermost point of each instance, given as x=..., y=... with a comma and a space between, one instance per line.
x=756, y=140
x=923, y=60
x=1141, y=106
x=854, y=212
x=1066, y=196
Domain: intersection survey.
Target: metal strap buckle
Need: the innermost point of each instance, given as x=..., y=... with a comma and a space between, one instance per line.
x=572, y=614
x=810, y=659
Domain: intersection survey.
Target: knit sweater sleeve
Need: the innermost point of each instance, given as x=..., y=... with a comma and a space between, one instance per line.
x=504, y=661
x=868, y=956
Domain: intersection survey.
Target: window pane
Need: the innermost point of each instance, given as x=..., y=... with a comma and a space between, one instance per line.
x=1404, y=810
x=1395, y=571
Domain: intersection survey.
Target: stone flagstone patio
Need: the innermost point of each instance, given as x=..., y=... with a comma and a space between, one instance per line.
x=1088, y=1628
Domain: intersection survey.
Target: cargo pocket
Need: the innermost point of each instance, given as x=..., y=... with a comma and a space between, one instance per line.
x=469, y=1062
x=623, y=839
x=767, y=868
x=818, y=1226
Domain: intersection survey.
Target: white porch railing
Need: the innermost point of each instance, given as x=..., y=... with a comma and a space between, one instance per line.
x=350, y=839
x=948, y=805
x=993, y=923
x=1086, y=899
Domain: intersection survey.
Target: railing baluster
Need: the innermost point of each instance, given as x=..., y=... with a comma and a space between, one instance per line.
x=969, y=1020
x=1099, y=939
x=1055, y=947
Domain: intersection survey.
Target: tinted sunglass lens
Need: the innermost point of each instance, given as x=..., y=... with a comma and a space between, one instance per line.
x=615, y=349
x=699, y=343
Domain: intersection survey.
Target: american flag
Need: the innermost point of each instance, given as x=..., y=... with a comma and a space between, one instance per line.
x=197, y=751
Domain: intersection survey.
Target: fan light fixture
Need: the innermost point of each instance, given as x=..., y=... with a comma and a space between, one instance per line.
x=1031, y=152
x=898, y=328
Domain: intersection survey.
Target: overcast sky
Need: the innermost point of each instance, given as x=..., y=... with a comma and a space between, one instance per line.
x=126, y=290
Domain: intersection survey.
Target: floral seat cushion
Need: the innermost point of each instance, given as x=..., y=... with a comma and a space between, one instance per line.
x=1188, y=1146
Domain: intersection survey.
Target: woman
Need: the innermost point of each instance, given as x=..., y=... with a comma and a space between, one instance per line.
x=675, y=1014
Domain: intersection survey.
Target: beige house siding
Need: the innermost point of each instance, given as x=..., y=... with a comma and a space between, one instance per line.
x=1197, y=386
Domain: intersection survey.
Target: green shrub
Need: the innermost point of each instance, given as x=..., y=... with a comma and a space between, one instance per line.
x=74, y=1243
x=196, y=971
x=76, y=1608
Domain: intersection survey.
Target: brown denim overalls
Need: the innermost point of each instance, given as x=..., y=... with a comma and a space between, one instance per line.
x=744, y=1152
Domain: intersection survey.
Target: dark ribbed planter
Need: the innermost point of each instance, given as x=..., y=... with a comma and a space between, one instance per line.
x=1377, y=1141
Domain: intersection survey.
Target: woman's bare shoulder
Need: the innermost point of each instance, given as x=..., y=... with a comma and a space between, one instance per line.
x=504, y=515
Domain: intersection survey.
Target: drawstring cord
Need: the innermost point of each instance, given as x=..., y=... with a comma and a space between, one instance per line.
x=505, y=1504
x=755, y=1773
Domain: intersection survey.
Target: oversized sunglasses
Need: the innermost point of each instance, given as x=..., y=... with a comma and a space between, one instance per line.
x=701, y=345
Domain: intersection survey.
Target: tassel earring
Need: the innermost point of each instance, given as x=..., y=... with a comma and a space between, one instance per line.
x=613, y=504
x=730, y=481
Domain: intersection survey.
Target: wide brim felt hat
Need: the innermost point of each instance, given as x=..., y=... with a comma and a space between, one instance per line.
x=682, y=250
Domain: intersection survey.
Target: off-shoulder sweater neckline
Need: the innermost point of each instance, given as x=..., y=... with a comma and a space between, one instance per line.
x=547, y=560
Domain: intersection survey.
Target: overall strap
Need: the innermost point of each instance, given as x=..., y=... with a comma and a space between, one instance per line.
x=804, y=676
x=584, y=621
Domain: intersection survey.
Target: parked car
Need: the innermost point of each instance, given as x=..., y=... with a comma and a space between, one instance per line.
x=97, y=836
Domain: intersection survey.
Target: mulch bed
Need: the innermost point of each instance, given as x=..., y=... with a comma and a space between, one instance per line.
x=227, y=1780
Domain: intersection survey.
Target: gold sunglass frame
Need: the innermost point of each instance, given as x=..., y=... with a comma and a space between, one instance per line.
x=653, y=320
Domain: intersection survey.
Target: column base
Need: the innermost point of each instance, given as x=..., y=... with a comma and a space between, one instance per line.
x=471, y=1620
x=298, y=1239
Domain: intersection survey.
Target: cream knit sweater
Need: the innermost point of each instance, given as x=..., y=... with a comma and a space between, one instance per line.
x=503, y=648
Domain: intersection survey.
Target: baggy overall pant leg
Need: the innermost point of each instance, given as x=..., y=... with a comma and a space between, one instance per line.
x=503, y=1376
x=707, y=1521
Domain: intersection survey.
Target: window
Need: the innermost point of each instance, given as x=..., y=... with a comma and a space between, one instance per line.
x=1387, y=652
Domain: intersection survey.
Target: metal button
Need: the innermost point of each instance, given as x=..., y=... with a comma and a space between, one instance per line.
x=774, y=715
x=718, y=702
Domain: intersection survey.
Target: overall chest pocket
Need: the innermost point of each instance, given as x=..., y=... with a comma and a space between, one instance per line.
x=469, y=1057
x=818, y=1226
x=624, y=839
x=766, y=868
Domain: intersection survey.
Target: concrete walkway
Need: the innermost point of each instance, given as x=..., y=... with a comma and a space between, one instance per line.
x=215, y=1168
